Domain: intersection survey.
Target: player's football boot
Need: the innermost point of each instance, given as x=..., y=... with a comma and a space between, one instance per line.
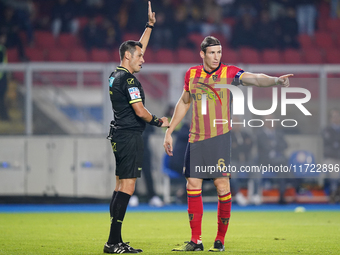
x=189, y=246
x=131, y=248
x=218, y=246
x=118, y=248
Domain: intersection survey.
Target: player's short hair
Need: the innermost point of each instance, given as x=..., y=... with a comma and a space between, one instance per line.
x=129, y=46
x=209, y=41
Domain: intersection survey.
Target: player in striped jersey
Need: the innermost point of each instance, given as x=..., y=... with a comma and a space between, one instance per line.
x=209, y=143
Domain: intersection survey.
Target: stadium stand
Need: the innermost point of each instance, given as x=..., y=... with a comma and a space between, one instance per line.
x=44, y=40
x=323, y=40
x=271, y=57
x=131, y=36
x=305, y=41
x=313, y=56
x=12, y=55
x=333, y=56
x=168, y=174
x=187, y=56
x=315, y=49
x=82, y=21
x=57, y=55
x=197, y=39
x=100, y=55
x=230, y=56
x=221, y=38
x=291, y=56
x=35, y=54
x=250, y=56
x=79, y=55
x=337, y=41
x=333, y=26
x=67, y=41
x=165, y=56
x=149, y=57
x=300, y=159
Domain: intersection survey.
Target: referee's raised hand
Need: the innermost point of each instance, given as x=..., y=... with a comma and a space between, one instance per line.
x=151, y=15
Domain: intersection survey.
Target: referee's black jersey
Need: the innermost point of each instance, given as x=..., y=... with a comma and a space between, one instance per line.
x=125, y=90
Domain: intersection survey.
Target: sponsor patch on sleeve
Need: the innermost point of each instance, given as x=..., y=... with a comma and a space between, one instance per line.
x=111, y=79
x=134, y=93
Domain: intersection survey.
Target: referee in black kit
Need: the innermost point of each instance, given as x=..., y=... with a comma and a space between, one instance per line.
x=130, y=117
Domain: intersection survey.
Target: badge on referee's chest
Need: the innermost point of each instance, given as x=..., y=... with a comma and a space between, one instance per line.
x=114, y=147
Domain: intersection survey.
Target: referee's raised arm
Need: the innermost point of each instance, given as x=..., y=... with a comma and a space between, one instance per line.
x=148, y=28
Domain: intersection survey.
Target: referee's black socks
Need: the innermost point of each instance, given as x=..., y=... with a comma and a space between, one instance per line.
x=111, y=203
x=118, y=206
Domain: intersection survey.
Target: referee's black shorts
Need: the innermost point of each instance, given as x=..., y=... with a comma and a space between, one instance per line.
x=208, y=159
x=128, y=149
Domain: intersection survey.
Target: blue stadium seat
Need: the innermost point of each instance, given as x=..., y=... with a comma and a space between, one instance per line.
x=167, y=176
x=168, y=171
x=300, y=159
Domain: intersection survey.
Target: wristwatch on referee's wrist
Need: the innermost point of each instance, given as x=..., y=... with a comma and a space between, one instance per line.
x=148, y=25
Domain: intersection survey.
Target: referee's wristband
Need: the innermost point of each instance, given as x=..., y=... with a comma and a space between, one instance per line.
x=155, y=121
x=147, y=25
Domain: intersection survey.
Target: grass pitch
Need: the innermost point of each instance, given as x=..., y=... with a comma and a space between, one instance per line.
x=159, y=232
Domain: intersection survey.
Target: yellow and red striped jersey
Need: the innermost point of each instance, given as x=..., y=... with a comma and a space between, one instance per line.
x=199, y=82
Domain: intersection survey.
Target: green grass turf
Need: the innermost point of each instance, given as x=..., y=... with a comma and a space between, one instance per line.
x=158, y=233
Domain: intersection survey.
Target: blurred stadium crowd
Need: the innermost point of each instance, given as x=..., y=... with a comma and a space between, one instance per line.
x=266, y=31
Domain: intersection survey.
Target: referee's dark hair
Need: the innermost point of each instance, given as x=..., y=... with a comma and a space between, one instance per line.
x=209, y=41
x=129, y=46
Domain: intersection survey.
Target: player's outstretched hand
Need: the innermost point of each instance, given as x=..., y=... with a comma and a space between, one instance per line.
x=151, y=15
x=168, y=144
x=284, y=80
x=165, y=122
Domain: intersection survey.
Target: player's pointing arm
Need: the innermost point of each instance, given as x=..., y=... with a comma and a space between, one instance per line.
x=263, y=80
